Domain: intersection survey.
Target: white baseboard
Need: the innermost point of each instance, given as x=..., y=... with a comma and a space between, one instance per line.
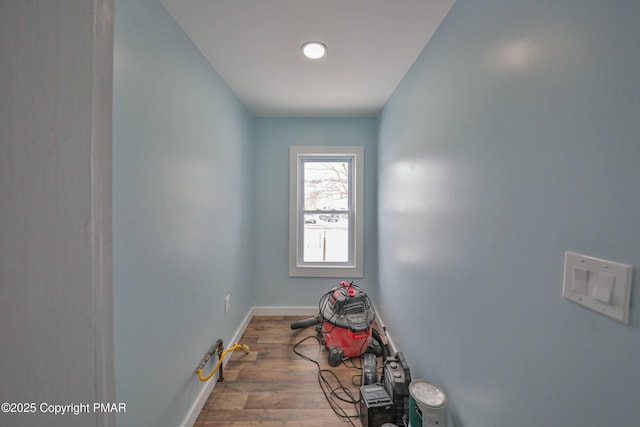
x=392, y=347
x=197, y=406
x=284, y=311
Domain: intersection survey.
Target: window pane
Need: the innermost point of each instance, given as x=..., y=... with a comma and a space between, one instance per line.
x=325, y=211
x=326, y=238
x=326, y=185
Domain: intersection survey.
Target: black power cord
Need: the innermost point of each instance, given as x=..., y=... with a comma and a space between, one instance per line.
x=337, y=395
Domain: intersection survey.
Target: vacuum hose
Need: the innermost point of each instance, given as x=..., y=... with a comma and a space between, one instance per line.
x=236, y=346
x=385, y=348
x=305, y=323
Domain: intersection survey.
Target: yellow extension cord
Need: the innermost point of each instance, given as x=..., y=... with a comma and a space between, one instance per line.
x=236, y=346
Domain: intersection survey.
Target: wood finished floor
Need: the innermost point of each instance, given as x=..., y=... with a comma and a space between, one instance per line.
x=271, y=386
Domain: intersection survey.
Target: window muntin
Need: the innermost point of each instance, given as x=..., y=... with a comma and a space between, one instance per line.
x=326, y=212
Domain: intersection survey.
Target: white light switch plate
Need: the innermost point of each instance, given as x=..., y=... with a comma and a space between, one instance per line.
x=605, y=281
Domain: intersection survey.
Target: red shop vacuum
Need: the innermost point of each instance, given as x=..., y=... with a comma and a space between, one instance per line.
x=344, y=322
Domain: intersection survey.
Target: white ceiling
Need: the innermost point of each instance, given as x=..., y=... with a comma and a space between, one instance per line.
x=255, y=46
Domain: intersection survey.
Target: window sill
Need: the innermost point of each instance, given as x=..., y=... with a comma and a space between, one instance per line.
x=345, y=272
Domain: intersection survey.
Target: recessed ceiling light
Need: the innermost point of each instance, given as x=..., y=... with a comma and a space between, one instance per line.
x=314, y=50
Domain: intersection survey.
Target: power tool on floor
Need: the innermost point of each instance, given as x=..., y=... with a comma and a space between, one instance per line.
x=344, y=323
x=396, y=378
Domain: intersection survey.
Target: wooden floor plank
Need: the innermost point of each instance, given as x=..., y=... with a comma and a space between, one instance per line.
x=271, y=386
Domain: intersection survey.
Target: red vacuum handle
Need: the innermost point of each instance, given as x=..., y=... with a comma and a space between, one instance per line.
x=352, y=292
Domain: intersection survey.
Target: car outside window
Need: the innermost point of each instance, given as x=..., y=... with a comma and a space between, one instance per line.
x=325, y=218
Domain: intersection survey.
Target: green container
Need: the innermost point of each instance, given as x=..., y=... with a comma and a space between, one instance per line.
x=414, y=418
x=427, y=405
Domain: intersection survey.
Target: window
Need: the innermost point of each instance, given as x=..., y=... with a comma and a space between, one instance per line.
x=325, y=216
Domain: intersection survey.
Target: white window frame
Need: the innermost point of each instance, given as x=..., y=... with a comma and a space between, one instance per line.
x=299, y=268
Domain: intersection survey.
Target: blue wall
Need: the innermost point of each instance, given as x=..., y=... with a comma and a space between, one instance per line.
x=183, y=207
x=515, y=137
x=273, y=137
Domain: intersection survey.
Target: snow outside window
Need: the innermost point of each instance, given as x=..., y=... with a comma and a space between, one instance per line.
x=325, y=220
